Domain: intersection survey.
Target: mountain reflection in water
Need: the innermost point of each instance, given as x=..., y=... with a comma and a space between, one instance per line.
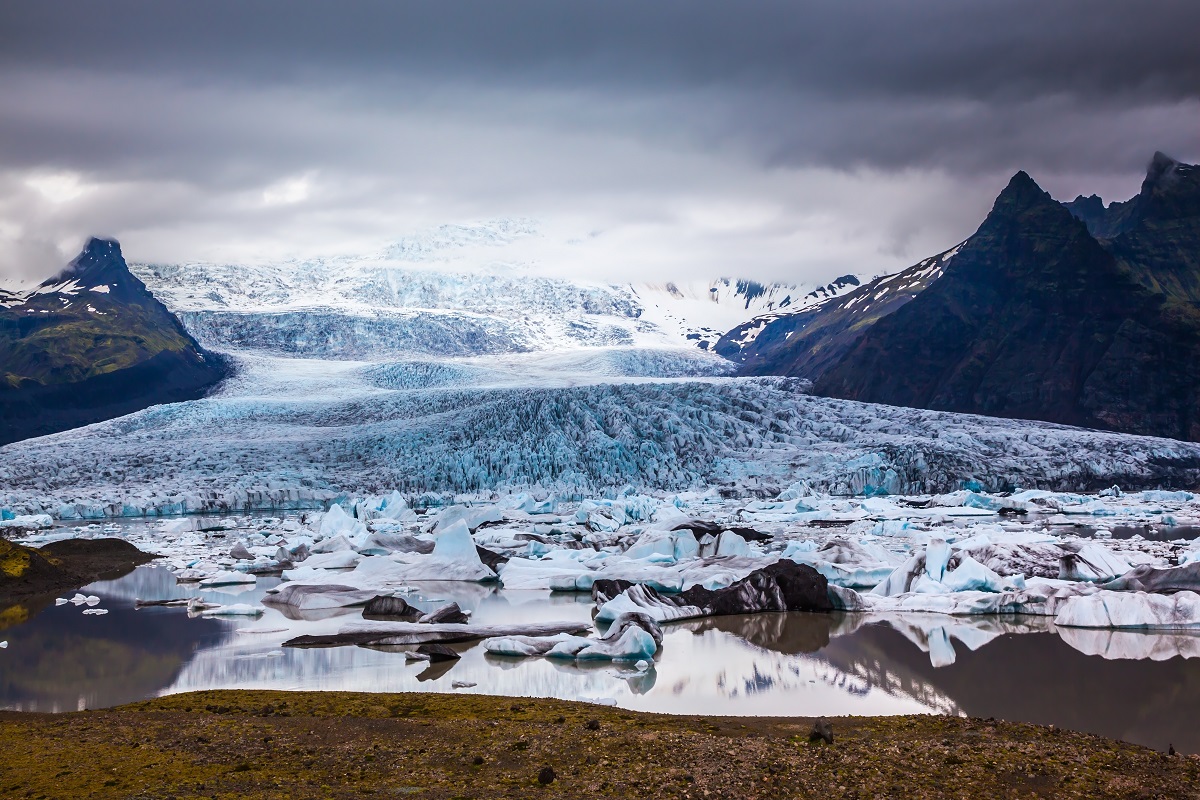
x=1135, y=686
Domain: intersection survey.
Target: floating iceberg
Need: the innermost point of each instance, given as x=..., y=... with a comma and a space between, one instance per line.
x=1108, y=609
x=631, y=637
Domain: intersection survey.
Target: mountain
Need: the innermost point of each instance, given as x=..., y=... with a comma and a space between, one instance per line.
x=805, y=342
x=452, y=291
x=1077, y=313
x=91, y=344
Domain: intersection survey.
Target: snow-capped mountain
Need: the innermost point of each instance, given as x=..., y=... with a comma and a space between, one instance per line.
x=804, y=342
x=455, y=290
x=702, y=312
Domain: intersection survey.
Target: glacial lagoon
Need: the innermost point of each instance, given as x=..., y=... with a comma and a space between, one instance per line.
x=1016, y=668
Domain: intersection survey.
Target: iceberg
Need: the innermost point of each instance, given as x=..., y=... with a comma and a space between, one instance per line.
x=631, y=637
x=1108, y=609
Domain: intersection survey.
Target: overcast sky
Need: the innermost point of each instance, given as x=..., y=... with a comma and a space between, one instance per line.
x=777, y=140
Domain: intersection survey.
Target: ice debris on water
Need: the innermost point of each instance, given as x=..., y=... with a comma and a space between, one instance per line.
x=945, y=569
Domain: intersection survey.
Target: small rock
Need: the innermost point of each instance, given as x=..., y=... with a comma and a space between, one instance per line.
x=461, y=685
x=822, y=731
x=478, y=761
x=593, y=725
x=546, y=776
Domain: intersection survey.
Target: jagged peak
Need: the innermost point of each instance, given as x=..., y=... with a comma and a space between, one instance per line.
x=1022, y=186
x=1164, y=172
x=1160, y=162
x=99, y=252
x=1020, y=195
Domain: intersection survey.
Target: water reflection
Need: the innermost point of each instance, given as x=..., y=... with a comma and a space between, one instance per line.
x=1137, y=686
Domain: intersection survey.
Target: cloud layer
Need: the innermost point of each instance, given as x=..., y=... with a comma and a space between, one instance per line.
x=661, y=140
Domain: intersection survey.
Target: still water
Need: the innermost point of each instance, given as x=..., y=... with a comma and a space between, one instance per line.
x=59, y=659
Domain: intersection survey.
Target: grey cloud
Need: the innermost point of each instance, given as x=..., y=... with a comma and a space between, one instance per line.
x=861, y=136
x=983, y=48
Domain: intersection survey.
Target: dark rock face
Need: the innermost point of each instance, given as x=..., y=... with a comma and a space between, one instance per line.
x=449, y=613
x=92, y=344
x=606, y=589
x=1158, y=581
x=438, y=652
x=491, y=559
x=807, y=343
x=782, y=586
x=387, y=607
x=1076, y=313
x=701, y=528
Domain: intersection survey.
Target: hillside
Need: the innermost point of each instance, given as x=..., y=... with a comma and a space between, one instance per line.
x=90, y=344
x=1079, y=314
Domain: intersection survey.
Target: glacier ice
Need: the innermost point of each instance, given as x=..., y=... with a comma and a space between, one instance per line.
x=630, y=637
x=1109, y=609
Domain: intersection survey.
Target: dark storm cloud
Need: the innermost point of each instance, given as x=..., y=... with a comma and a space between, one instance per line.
x=181, y=121
x=977, y=49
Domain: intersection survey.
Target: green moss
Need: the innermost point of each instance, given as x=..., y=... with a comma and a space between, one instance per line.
x=15, y=560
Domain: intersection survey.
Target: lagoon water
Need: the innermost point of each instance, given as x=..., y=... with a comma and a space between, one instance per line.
x=59, y=659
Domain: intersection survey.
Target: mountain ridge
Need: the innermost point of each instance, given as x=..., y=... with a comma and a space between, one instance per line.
x=92, y=343
x=1038, y=317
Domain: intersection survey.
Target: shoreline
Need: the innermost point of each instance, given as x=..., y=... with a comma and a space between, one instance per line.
x=246, y=743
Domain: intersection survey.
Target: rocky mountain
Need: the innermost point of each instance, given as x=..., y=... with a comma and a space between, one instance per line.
x=808, y=340
x=91, y=344
x=1078, y=313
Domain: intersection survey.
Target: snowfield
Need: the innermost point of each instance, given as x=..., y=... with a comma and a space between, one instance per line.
x=454, y=290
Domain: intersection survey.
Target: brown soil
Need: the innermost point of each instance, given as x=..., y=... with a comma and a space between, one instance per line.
x=227, y=744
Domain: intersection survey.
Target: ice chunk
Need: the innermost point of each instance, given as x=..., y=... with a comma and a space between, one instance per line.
x=524, y=573
x=1090, y=562
x=336, y=521
x=971, y=575
x=28, y=522
x=236, y=610
x=631, y=637
x=1107, y=609
x=177, y=526
x=227, y=578
x=338, y=559
x=937, y=556
x=333, y=544
x=454, y=543
x=471, y=517
x=307, y=597
x=1146, y=578
x=782, y=586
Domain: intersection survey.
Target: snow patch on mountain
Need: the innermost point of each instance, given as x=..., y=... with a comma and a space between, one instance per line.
x=455, y=290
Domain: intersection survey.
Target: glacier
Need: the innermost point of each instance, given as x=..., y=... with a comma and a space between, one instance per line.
x=299, y=433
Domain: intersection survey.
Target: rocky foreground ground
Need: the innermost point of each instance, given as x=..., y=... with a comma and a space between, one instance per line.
x=227, y=744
